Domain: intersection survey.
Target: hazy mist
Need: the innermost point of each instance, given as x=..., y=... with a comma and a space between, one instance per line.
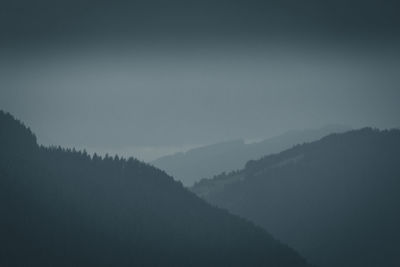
x=200, y=133
x=154, y=77
x=152, y=101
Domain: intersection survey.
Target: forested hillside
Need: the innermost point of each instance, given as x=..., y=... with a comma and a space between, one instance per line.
x=207, y=161
x=335, y=200
x=60, y=207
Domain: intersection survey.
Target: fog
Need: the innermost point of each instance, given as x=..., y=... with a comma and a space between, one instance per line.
x=148, y=78
x=149, y=101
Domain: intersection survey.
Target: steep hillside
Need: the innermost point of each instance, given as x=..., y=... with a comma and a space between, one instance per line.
x=65, y=208
x=211, y=160
x=335, y=200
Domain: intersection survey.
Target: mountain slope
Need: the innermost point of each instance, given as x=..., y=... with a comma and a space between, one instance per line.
x=64, y=208
x=210, y=160
x=336, y=200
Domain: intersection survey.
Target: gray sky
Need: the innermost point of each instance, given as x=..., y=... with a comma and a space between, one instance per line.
x=151, y=101
x=147, y=78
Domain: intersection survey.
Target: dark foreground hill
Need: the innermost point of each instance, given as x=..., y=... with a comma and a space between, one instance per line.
x=64, y=208
x=337, y=200
x=207, y=161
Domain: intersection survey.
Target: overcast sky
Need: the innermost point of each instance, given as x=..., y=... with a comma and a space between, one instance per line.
x=150, y=102
x=148, y=78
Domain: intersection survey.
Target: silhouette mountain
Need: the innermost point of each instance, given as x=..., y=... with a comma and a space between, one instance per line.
x=61, y=207
x=233, y=155
x=336, y=200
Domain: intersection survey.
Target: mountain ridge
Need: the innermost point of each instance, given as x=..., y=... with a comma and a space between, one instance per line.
x=232, y=155
x=64, y=207
x=334, y=200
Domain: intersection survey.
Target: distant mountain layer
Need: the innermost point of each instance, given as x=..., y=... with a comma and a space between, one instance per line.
x=336, y=200
x=211, y=160
x=64, y=208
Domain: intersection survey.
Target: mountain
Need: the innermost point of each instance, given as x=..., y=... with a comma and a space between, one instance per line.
x=61, y=207
x=202, y=162
x=336, y=200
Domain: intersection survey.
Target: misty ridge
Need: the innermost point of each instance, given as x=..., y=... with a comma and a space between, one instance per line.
x=200, y=133
x=334, y=200
x=63, y=207
x=233, y=155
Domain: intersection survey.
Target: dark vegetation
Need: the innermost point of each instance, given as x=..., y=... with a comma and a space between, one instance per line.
x=335, y=200
x=61, y=207
x=233, y=155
